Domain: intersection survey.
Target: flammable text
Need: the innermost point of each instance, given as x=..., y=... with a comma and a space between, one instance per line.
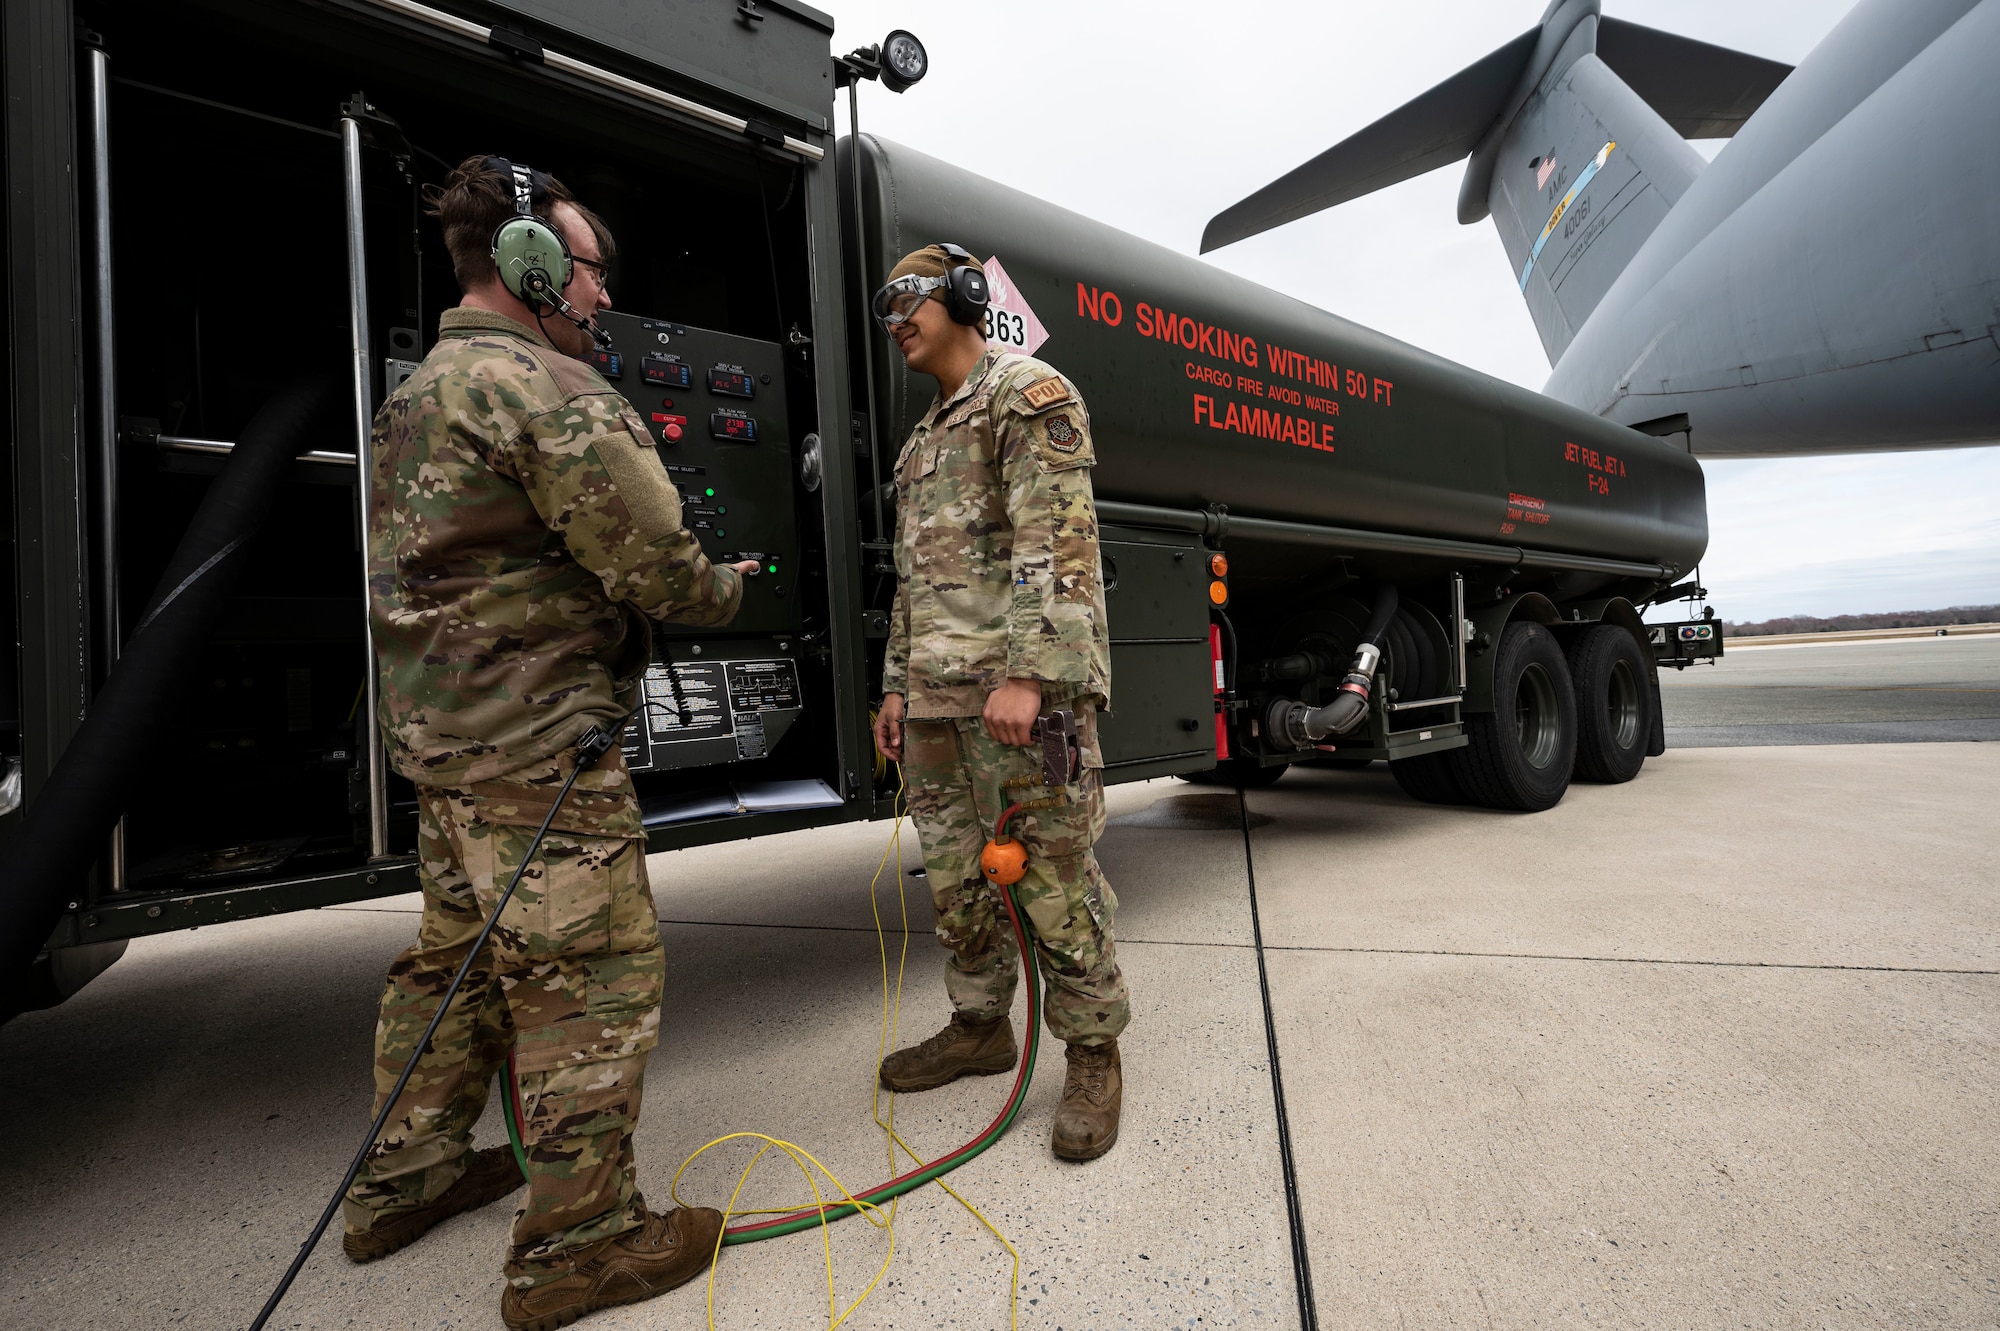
x=1263, y=423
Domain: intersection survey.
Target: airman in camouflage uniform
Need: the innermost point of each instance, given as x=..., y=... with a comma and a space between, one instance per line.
x=999, y=587
x=522, y=534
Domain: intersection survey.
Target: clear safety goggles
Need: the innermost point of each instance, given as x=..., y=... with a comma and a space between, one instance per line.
x=900, y=299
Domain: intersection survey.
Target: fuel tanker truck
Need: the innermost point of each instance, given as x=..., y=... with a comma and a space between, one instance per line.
x=1320, y=545
x=1410, y=560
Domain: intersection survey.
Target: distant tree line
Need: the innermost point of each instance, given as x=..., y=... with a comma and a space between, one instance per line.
x=1897, y=619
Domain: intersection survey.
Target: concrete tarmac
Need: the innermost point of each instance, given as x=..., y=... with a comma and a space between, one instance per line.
x=1886, y=691
x=1717, y=1047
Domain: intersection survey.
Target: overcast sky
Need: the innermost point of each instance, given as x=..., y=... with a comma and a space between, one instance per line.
x=1155, y=116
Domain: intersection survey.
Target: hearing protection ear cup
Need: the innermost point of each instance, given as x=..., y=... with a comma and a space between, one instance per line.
x=965, y=291
x=529, y=254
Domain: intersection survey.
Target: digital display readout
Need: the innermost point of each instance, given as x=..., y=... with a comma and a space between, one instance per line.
x=731, y=381
x=607, y=363
x=669, y=371
x=733, y=425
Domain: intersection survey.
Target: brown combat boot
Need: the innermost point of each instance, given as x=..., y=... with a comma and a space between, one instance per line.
x=489, y=1175
x=665, y=1252
x=1093, y=1095
x=966, y=1046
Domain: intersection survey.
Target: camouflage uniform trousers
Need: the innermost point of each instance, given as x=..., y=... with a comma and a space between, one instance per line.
x=571, y=981
x=955, y=774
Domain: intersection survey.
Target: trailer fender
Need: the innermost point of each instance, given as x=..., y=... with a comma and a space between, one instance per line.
x=1603, y=610
x=1487, y=624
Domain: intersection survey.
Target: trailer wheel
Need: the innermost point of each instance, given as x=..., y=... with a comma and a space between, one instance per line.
x=1519, y=755
x=1428, y=777
x=1614, y=707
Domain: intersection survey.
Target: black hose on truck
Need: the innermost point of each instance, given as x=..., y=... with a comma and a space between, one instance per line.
x=66, y=826
x=1289, y=721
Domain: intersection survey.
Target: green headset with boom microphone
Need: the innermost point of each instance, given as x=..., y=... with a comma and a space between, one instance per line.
x=532, y=256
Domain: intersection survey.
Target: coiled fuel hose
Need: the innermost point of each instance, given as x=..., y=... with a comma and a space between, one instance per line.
x=821, y=1212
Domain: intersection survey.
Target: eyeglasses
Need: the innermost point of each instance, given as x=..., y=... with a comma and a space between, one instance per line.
x=900, y=299
x=601, y=271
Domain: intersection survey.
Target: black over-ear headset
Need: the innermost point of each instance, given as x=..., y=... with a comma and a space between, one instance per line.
x=532, y=256
x=965, y=293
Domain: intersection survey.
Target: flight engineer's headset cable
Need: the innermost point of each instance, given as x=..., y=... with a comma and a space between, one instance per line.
x=1003, y=869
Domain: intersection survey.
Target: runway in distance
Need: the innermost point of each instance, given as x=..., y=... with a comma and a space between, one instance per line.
x=1830, y=283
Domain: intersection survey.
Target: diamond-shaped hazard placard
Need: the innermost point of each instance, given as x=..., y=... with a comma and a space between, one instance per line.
x=1010, y=324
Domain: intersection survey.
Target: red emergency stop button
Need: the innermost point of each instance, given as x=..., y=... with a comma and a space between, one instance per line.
x=671, y=427
x=671, y=433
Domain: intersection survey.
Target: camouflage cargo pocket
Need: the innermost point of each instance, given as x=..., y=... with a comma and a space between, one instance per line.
x=1066, y=903
x=621, y=1016
x=585, y=891
x=624, y=984
x=564, y=906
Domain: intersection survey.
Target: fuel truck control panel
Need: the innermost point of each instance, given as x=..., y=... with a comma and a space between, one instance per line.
x=714, y=405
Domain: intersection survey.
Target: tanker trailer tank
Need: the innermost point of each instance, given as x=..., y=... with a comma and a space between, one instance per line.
x=1205, y=388
x=1505, y=541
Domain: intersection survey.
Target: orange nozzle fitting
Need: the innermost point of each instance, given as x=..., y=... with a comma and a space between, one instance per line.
x=1004, y=861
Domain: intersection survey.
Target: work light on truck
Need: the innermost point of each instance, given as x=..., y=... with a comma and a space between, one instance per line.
x=904, y=61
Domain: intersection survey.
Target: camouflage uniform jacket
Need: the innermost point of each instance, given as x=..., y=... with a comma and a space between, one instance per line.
x=521, y=532
x=997, y=562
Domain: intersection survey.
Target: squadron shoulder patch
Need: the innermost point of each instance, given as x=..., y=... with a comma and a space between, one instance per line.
x=1062, y=435
x=1045, y=394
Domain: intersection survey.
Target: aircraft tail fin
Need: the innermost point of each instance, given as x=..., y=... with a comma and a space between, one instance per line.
x=1575, y=164
x=1576, y=181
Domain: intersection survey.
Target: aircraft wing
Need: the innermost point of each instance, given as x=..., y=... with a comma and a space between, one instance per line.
x=1436, y=129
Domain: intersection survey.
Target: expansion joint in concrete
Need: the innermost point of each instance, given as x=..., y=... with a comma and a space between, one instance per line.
x=1626, y=961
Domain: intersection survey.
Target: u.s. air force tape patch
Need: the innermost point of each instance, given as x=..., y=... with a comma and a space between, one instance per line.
x=1062, y=435
x=1045, y=394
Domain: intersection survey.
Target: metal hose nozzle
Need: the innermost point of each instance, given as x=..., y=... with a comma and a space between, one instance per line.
x=1289, y=721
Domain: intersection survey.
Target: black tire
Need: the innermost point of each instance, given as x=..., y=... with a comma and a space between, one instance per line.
x=1428, y=777
x=1519, y=755
x=1233, y=772
x=1614, y=704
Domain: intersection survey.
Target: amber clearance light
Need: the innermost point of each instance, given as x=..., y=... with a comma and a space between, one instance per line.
x=1218, y=592
x=1218, y=564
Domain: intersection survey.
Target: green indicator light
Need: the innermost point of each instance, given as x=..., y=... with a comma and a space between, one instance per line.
x=719, y=533
x=721, y=509
x=709, y=492
x=773, y=568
